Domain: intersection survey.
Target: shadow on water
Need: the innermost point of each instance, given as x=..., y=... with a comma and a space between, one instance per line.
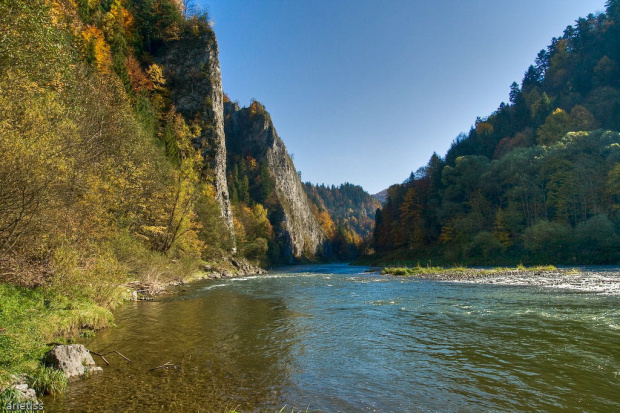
x=225, y=358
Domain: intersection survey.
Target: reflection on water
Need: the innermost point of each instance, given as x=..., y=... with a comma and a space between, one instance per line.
x=332, y=338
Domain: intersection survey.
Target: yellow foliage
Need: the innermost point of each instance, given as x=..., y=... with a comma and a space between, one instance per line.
x=256, y=107
x=209, y=190
x=95, y=47
x=123, y=16
x=156, y=75
x=447, y=234
x=251, y=162
x=327, y=224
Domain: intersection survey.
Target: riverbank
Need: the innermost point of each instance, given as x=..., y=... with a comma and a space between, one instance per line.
x=576, y=278
x=467, y=273
x=33, y=317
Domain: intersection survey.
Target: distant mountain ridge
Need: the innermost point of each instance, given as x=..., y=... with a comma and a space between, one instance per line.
x=346, y=214
x=381, y=196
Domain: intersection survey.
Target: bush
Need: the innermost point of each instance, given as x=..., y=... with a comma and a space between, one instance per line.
x=549, y=240
x=596, y=238
x=485, y=245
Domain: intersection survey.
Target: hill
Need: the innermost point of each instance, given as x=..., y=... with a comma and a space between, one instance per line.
x=535, y=181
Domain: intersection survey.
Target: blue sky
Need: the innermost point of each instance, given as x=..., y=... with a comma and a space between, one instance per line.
x=365, y=91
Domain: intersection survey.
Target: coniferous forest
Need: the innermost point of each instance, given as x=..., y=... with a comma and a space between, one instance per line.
x=536, y=181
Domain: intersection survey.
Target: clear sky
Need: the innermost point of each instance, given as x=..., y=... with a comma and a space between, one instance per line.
x=365, y=91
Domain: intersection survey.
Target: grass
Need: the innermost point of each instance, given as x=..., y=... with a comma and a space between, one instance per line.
x=76, y=301
x=9, y=396
x=419, y=270
x=45, y=380
x=31, y=318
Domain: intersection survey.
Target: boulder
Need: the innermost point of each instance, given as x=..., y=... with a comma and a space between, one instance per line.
x=25, y=392
x=74, y=360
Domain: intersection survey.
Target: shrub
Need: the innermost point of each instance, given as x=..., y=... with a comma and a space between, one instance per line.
x=549, y=240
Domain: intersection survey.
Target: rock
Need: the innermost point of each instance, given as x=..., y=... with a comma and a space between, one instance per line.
x=73, y=360
x=251, y=132
x=26, y=393
x=207, y=268
x=192, y=70
x=92, y=370
x=20, y=384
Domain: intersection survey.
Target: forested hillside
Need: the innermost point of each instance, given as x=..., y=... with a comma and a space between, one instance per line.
x=113, y=171
x=346, y=214
x=102, y=179
x=273, y=219
x=538, y=180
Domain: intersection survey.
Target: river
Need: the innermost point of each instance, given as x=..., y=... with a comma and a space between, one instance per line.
x=333, y=338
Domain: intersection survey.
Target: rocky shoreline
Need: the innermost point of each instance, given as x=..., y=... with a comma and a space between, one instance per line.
x=227, y=268
x=603, y=282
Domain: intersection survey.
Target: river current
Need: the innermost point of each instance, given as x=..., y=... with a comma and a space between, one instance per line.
x=334, y=338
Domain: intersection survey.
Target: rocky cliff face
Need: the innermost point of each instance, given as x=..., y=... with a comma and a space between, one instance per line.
x=192, y=71
x=249, y=131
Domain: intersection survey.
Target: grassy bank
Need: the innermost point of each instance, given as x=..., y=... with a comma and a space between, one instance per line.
x=30, y=318
x=463, y=272
x=77, y=301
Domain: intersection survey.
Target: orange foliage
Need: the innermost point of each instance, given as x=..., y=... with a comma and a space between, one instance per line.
x=251, y=162
x=137, y=76
x=256, y=107
x=122, y=16
x=484, y=128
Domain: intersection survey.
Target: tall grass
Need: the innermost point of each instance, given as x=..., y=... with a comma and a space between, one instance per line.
x=46, y=380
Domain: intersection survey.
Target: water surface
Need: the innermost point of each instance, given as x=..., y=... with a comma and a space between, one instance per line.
x=333, y=338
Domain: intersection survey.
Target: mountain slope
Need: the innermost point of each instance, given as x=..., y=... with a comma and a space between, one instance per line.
x=536, y=181
x=254, y=144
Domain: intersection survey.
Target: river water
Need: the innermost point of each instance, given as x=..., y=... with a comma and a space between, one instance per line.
x=333, y=338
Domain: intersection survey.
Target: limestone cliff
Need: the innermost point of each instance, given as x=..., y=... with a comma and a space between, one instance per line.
x=250, y=132
x=192, y=72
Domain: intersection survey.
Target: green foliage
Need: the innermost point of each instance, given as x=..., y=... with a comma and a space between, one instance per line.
x=347, y=205
x=534, y=181
x=597, y=237
x=551, y=239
